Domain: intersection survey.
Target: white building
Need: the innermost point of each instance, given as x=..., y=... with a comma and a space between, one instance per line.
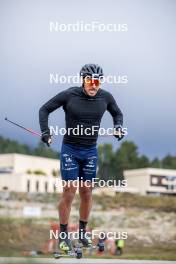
x=24, y=173
x=151, y=181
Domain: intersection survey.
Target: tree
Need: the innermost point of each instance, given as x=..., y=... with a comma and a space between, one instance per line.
x=12, y=146
x=169, y=162
x=156, y=163
x=143, y=162
x=105, y=153
x=44, y=151
x=126, y=158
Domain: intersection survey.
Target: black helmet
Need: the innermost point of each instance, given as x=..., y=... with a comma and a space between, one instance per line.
x=93, y=70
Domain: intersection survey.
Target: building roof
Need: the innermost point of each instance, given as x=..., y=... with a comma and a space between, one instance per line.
x=26, y=156
x=20, y=163
x=149, y=171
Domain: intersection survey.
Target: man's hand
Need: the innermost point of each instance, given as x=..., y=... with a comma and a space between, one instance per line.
x=46, y=138
x=119, y=133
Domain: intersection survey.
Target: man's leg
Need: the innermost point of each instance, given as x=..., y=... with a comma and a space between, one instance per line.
x=85, y=207
x=86, y=201
x=87, y=173
x=64, y=209
x=66, y=202
x=69, y=172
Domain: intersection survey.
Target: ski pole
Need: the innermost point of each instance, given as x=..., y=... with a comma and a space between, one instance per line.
x=27, y=129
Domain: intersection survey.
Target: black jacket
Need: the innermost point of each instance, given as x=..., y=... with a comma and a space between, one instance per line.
x=81, y=110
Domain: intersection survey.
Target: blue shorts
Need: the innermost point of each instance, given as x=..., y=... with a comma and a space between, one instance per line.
x=78, y=162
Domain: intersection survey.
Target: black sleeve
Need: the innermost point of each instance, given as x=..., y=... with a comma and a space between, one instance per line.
x=115, y=111
x=54, y=103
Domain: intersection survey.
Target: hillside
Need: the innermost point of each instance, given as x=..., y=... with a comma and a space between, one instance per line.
x=149, y=222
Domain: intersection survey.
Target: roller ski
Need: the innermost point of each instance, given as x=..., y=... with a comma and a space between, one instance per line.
x=85, y=242
x=66, y=249
x=76, y=252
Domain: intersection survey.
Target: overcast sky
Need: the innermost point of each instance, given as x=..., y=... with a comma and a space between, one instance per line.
x=29, y=52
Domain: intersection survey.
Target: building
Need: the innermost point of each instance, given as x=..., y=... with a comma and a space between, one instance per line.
x=151, y=181
x=24, y=173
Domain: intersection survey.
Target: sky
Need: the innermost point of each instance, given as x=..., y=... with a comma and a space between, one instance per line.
x=145, y=53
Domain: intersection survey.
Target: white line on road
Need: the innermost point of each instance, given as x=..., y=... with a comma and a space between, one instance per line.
x=14, y=260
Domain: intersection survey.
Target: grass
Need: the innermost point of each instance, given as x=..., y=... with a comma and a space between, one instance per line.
x=128, y=200
x=161, y=203
x=19, y=235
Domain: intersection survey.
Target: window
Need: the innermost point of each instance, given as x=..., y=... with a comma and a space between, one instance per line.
x=154, y=180
x=46, y=187
x=37, y=186
x=6, y=169
x=54, y=187
x=5, y=188
x=28, y=185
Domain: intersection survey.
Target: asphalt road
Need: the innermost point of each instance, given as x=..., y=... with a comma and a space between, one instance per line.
x=12, y=260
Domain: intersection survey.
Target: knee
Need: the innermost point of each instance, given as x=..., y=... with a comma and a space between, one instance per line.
x=86, y=194
x=69, y=194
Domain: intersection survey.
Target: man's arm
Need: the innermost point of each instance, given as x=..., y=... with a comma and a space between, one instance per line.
x=54, y=103
x=115, y=111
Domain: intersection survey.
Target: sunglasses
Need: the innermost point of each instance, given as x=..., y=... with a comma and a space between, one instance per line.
x=92, y=81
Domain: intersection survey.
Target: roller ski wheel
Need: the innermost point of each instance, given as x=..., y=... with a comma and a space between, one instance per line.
x=76, y=252
x=79, y=253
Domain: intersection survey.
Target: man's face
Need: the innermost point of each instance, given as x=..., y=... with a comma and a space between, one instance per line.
x=91, y=85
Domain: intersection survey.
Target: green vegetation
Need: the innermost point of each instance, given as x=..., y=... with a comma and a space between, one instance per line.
x=37, y=172
x=55, y=173
x=12, y=146
x=35, y=197
x=129, y=200
x=126, y=200
x=112, y=163
x=19, y=236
